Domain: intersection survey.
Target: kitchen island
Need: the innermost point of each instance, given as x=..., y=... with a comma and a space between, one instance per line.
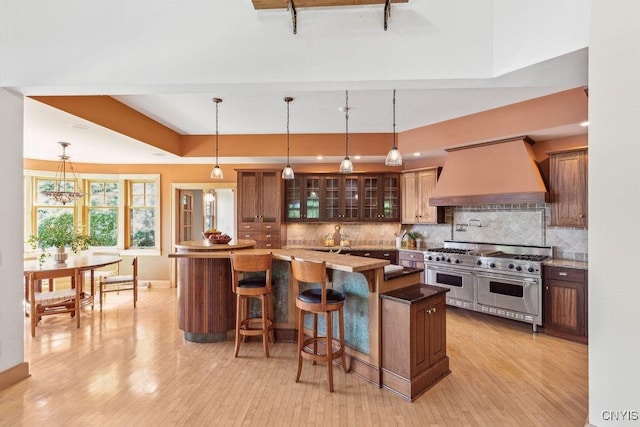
x=361, y=279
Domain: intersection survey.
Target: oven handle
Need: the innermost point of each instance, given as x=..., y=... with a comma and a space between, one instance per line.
x=524, y=281
x=448, y=270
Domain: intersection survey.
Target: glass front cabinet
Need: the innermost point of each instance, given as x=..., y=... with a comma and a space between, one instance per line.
x=343, y=198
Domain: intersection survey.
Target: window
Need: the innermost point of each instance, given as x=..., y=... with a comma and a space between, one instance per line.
x=119, y=211
x=104, y=197
x=142, y=214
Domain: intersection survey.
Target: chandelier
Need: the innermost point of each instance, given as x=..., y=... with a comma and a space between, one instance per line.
x=216, y=173
x=64, y=188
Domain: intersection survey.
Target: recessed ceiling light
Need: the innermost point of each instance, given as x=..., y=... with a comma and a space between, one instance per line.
x=416, y=154
x=584, y=124
x=78, y=126
x=357, y=157
x=319, y=157
x=158, y=154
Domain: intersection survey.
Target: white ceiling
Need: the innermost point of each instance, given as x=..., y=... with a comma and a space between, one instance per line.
x=406, y=60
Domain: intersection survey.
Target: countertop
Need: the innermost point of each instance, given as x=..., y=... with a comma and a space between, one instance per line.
x=567, y=263
x=344, y=248
x=414, y=293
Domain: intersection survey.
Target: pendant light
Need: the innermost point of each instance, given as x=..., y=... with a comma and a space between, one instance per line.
x=64, y=188
x=287, y=172
x=216, y=173
x=394, y=158
x=346, y=166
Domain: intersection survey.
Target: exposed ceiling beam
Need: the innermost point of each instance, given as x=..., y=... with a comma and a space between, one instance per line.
x=282, y=4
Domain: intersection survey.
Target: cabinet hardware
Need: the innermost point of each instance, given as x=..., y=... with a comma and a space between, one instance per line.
x=562, y=273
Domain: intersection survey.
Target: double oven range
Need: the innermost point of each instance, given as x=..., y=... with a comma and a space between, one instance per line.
x=501, y=280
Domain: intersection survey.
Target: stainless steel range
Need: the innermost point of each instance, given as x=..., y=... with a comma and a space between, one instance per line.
x=501, y=280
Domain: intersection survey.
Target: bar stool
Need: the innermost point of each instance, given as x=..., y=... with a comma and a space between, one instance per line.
x=252, y=287
x=316, y=301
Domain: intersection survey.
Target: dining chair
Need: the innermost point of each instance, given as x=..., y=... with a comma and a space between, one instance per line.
x=120, y=282
x=54, y=302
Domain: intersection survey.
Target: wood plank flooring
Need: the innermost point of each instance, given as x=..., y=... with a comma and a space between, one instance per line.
x=133, y=367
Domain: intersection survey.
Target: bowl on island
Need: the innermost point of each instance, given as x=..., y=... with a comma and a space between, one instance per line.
x=208, y=234
x=219, y=238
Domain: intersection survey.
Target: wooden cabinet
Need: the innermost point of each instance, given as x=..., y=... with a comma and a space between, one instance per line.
x=417, y=187
x=259, y=207
x=568, y=187
x=342, y=198
x=413, y=259
x=414, y=348
x=565, y=303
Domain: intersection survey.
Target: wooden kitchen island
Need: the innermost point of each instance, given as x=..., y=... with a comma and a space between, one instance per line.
x=213, y=306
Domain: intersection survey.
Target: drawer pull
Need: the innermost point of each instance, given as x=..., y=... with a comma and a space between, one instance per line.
x=563, y=273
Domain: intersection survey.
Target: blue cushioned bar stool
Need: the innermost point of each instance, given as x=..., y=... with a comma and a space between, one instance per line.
x=318, y=300
x=247, y=286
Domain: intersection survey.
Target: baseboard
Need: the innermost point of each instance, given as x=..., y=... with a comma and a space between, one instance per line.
x=14, y=375
x=158, y=284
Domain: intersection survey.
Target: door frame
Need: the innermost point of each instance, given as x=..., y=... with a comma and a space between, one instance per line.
x=176, y=187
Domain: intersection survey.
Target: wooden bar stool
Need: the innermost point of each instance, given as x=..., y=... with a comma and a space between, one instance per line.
x=316, y=301
x=252, y=287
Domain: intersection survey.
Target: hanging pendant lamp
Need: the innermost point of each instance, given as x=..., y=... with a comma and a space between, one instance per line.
x=287, y=172
x=64, y=188
x=346, y=166
x=394, y=158
x=216, y=173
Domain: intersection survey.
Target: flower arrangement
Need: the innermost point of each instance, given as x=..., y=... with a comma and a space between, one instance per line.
x=413, y=235
x=59, y=232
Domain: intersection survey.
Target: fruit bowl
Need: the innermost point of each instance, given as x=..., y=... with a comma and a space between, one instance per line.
x=219, y=238
x=208, y=234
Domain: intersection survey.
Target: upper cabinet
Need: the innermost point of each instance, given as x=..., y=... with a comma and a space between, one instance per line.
x=259, y=207
x=568, y=187
x=342, y=198
x=417, y=187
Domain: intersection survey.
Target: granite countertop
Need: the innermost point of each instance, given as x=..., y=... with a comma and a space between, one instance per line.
x=414, y=293
x=567, y=263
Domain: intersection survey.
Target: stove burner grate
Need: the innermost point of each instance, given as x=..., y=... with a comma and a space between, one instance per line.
x=449, y=250
x=535, y=258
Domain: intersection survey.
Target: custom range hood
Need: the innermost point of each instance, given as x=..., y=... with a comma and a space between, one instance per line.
x=496, y=172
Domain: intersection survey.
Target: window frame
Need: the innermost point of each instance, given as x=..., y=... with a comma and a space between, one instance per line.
x=81, y=207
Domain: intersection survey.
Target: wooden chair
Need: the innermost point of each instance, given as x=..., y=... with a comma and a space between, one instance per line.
x=252, y=286
x=318, y=300
x=53, y=302
x=117, y=283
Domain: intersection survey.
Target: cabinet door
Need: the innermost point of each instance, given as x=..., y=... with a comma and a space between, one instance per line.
x=437, y=331
x=371, y=198
x=269, y=191
x=568, y=184
x=311, y=201
x=351, y=198
x=249, y=197
x=330, y=210
x=420, y=327
x=390, y=193
x=426, y=185
x=293, y=199
x=565, y=307
x=409, y=201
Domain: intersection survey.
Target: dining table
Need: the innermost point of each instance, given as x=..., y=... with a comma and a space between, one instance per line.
x=81, y=263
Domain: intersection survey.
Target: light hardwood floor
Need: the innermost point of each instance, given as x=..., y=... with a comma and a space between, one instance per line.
x=133, y=367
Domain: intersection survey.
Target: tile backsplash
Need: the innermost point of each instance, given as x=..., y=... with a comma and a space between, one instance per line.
x=525, y=224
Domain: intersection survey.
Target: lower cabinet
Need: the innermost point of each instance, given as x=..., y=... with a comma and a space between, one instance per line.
x=392, y=255
x=414, y=344
x=413, y=259
x=565, y=303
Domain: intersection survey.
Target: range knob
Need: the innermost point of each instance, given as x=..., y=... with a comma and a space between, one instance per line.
x=511, y=266
x=519, y=268
x=457, y=261
x=478, y=262
x=429, y=258
x=492, y=265
x=530, y=269
x=448, y=259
